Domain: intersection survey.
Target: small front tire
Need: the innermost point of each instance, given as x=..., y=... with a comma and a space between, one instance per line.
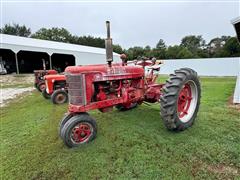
x=45, y=94
x=79, y=130
x=59, y=97
x=66, y=117
x=41, y=86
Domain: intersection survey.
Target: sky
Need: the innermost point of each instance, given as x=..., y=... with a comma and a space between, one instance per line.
x=132, y=23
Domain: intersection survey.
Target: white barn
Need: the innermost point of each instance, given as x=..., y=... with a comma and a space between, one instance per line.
x=23, y=55
x=236, y=97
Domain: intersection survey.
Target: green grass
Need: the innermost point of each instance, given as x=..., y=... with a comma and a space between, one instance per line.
x=129, y=145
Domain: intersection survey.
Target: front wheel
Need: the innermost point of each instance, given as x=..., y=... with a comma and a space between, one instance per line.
x=79, y=130
x=41, y=86
x=59, y=97
x=180, y=99
x=45, y=94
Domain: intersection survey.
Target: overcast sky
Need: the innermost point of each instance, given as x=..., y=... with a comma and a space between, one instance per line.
x=132, y=24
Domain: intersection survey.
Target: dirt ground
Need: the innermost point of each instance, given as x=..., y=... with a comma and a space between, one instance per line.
x=12, y=80
x=11, y=93
x=15, y=85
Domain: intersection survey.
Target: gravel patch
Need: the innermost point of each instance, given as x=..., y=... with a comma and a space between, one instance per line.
x=16, y=80
x=11, y=93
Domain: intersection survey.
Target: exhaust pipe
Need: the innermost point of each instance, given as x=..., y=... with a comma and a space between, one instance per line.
x=236, y=24
x=108, y=46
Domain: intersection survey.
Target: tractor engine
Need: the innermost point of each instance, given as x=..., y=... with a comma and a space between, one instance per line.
x=102, y=87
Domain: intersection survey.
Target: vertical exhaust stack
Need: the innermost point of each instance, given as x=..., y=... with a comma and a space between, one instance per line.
x=108, y=46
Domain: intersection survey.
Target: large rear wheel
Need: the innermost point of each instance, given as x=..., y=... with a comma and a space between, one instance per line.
x=180, y=99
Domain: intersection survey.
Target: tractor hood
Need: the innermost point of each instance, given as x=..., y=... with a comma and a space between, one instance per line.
x=55, y=77
x=115, y=69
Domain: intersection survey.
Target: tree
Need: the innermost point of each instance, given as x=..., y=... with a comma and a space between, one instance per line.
x=63, y=35
x=148, y=51
x=135, y=52
x=215, y=46
x=91, y=41
x=117, y=49
x=172, y=52
x=161, y=44
x=160, y=50
x=231, y=48
x=193, y=43
x=53, y=34
x=184, y=53
x=16, y=29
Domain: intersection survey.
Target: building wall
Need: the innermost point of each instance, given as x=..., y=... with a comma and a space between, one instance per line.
x=205, y=67
x=82, y=58
x=208, y=67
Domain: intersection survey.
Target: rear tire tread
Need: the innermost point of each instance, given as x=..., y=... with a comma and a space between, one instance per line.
x=169, y=98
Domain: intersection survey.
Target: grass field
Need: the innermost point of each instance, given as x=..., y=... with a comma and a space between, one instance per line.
x=129, y=145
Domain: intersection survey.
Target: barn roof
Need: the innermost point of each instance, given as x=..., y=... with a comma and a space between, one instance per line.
x=235, y=20
x=17, y=43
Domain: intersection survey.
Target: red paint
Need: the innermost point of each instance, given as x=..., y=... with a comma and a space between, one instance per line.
x=184, y=100
x=39, y=74
x=81, y=132
x=50, y=80
x=102, y=87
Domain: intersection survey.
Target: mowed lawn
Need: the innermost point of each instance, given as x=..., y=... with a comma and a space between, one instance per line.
x=129, y=145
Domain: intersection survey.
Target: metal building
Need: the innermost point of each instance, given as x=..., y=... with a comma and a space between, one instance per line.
x=23, y=55
x=236, y=96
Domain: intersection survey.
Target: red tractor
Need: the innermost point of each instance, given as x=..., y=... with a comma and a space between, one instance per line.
x=56, y=88
x=39, y=81
x=125, y=86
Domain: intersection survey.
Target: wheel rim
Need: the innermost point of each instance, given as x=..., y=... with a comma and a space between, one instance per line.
x=42, y=87
x=187, y=101
x=81, y=133
x=60, y=98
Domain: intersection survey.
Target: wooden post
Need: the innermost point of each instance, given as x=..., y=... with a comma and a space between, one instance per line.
x=16, y=58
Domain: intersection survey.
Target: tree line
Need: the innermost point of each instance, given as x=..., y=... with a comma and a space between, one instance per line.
x=191, y=46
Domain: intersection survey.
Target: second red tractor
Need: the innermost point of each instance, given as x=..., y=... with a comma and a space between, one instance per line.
x=56, y=88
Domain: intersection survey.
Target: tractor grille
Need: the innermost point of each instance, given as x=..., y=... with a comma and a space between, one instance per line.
x=76, y=89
